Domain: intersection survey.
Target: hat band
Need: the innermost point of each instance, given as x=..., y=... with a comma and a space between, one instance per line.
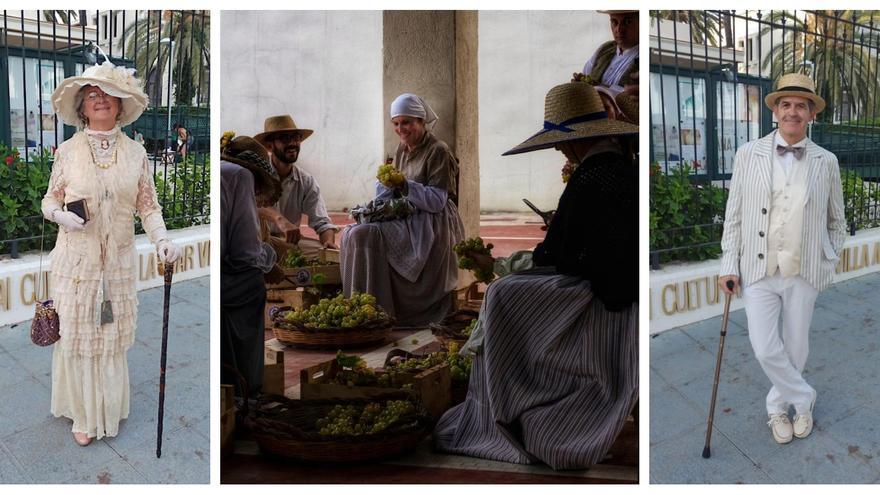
x=796, y=88
x=563, y=126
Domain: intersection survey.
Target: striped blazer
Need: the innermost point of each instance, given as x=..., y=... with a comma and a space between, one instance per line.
x=747, y=219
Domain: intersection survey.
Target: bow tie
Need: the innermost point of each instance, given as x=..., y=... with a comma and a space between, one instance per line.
x=798, y=151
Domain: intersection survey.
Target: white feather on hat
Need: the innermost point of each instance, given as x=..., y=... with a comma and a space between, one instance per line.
x=115, y=81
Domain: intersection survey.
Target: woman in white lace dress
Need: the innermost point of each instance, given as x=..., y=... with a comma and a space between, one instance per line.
x=93, y=279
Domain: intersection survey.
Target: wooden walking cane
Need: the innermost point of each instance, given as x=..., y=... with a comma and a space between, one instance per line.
x=166, y=269
x=727, y=297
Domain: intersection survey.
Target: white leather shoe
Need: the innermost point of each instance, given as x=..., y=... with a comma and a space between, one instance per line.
x=780, y=426
x=803, y=422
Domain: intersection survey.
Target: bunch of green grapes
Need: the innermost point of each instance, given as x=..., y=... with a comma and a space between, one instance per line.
x=373, y=418
x=466, y=262
x=294, y=259
x=389, y=176
x=357, y=310
x=459, y=366
x=468, y=330
x=416, y=365
x=354, y=371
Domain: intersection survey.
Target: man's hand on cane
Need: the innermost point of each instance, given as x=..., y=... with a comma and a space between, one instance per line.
x=722, y=282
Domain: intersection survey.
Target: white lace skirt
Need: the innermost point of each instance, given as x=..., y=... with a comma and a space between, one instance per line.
x=92, y=391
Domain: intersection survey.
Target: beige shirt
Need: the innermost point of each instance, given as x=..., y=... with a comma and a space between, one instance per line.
x=789, y=188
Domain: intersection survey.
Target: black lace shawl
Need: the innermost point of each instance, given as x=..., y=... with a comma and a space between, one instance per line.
x=594, y=233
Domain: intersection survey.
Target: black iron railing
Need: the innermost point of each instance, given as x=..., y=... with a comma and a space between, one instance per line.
x=38, y=49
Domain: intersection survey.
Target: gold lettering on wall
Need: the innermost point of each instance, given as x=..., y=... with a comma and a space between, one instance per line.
x=204, y=254
x=5, y=299
x=28, y=288
x=690, y=295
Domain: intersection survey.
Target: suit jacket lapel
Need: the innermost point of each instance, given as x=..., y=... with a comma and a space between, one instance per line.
x=763, y=160
x=812, y=159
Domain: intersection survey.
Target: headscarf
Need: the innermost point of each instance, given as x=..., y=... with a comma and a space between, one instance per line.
x=412, y=105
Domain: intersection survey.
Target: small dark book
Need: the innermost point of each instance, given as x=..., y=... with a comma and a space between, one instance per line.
x=80, y=208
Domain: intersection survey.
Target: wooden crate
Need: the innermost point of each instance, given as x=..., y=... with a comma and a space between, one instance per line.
x=329, y=255
x=305, y=277
x=432, y=386
x=273, y=372
x=470, y=297
x=227, y=418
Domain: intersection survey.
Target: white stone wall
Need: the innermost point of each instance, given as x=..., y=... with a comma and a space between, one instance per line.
x=522, y=55
x=325, y=69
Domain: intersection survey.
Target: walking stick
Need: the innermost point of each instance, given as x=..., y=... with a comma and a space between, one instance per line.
x=706, y=452
x=168, y=269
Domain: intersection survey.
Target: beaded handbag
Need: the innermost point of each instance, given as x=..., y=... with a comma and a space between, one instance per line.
x=45, y=327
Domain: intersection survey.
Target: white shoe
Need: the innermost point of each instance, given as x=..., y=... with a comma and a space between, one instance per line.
x=803, y=422
x=781, y=427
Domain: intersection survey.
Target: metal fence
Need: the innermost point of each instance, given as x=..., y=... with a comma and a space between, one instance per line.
x=710, y=71
x=38, y=49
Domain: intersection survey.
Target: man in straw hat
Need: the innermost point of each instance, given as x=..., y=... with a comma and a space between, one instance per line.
x=300, y=193
x=247, y=181
x=558, y=374
x=783, y=230
x=615, y=64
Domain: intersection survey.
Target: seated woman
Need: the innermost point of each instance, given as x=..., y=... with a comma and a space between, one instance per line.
x=557, y=373
x=408, y=264
x=247, y=181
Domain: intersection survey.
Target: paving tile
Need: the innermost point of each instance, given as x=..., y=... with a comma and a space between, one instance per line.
x=49, y=455
x=140, y=425
x=679, y=460
x=30, y=407
x=10, y=470
x=818, y=459
x=113, y=472
x=185, y=459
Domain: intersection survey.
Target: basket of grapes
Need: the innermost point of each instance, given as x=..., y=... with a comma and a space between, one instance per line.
x=338, y=430
x=456, y=327
x=333, y=323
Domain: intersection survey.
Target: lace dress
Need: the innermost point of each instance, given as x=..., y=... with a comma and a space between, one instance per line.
x=90, y=382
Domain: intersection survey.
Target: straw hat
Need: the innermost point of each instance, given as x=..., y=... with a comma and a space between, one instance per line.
x=795, y=84
x=247, y=152
x=573, y=111
x=280, y=123
x=115, y=81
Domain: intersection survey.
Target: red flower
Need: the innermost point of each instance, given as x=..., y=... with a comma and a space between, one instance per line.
x=9, y=160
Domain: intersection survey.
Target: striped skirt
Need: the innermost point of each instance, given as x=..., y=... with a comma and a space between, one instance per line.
x=556, y=380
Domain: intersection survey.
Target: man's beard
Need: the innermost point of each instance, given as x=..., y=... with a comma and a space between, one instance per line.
x=281, y=154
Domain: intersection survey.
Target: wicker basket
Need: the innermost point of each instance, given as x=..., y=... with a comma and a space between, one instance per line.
x=333, y=338
x=449, y=329
x=286, y=428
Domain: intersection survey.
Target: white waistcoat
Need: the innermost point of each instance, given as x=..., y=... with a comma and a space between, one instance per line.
x=785, y=234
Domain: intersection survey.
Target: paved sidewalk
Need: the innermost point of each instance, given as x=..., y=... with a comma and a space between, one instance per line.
x=843, y=367
x=35, y=447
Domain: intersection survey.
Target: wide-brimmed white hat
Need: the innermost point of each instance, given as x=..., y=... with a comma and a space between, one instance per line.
x=795, y=84
x=573, y=111
x=115, y=81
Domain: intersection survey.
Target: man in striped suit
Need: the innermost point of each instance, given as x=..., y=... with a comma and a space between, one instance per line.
x=783, y=230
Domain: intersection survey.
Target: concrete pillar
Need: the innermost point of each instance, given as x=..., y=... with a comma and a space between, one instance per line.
x=434, y=55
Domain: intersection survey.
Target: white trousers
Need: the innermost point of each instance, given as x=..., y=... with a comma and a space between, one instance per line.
x=782, y=357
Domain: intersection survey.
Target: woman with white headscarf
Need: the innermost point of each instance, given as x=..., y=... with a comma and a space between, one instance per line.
x=408, y=265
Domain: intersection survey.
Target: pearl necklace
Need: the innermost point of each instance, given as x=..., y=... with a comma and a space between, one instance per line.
x=104, y=145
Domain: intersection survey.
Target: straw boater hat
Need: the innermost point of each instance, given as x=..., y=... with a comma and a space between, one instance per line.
x=573, y=111
x=247, y=152
x=115, y=81
x=795, y=85
x=280, y=123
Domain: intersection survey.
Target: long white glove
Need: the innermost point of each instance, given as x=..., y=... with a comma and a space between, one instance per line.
x=168, y=251
x=69, y=220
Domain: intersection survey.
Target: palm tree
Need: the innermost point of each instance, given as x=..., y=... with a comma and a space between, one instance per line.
x=64, y=16
x=190, y=31
x=840, y=50
x=704, y=24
